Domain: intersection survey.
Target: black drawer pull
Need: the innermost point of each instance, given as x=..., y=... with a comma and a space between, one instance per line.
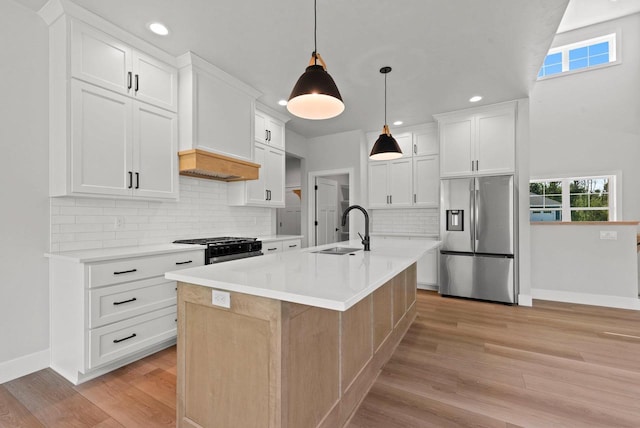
x=125, y=271
x=272, y=249
x=133, y=299
x=184, y=263
x=293, y=246
x=124, y=338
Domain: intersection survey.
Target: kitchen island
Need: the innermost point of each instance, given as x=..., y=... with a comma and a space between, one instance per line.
x=302, y=339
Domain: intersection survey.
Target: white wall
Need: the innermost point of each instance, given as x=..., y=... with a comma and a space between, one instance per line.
x=572, y=264
x=590, y=121
x=340, y=151
x=24, y=217
x=587, y=123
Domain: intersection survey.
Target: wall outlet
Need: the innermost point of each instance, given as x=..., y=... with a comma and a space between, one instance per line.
x=119, y=223
x=609, y=235
x=221, y=298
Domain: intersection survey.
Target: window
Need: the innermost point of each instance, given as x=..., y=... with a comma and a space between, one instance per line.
x=579, y=56
x=572, y=199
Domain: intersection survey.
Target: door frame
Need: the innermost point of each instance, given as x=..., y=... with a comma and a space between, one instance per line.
x=311, y=200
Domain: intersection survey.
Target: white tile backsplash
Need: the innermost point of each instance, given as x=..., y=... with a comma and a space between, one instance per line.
x=423, y=221
x=202, y=211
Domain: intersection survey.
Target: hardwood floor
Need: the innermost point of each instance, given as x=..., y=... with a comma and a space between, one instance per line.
x=462, y=363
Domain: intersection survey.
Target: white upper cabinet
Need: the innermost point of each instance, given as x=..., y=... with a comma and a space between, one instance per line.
x=269, y=130
x=155, y=138
x=425, y=141
x=102, y=141
x=480, y=141
x=100, y=59
x=113, y=126
x=268, y=189
x=154, y=81
x=105, y=61
x=390, y=184
x=216, y=110
x=426, y=181
x=411, y=180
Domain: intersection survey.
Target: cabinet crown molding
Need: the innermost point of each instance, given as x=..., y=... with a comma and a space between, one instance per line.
x=191, y=59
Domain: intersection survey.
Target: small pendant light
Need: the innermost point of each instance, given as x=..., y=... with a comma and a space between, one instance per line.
x=315, y=95
x=386, y=147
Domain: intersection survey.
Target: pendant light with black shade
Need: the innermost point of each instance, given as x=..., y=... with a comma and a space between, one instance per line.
x=386, y=147
x=315, y=95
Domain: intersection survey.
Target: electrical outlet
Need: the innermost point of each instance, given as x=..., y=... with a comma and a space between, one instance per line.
x=609, y=235
x=221, y=298
x=119, y=223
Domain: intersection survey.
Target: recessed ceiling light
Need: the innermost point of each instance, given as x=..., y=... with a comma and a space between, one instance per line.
x=475, y=99
x=282, y=102
x=398, y=122
x=158, y=28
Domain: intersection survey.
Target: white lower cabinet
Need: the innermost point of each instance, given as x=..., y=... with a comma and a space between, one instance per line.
x=272, y=247
x=105, y=314
x=427, y=265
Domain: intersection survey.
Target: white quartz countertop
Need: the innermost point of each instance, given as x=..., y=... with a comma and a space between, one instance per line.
x=103, y=254
x=324, y=280
x=272, y=238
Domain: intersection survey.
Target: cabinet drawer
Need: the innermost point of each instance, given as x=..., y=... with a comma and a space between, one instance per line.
x=292, y=244
x=118, y=302
x=124, y=270
x=121, y=339
x=271, y=247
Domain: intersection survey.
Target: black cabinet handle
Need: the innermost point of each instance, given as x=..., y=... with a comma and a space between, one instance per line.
x=272, y=249
x=266, y=195
x=269, y=135
x=130, y=179
x=266, y=135
x=129, y=80
x=137, y=180
x=184, y=263
x=137, y=83
x=125, y=271
x=133, y=299
x=415, y=149
x=391, y=199
x=124, y=338
x=295, y=245
x=269, y=195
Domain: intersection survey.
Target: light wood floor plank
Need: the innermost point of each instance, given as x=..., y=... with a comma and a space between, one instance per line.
x=462, y=363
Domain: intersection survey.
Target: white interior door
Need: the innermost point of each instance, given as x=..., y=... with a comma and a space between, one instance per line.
x=326, y=211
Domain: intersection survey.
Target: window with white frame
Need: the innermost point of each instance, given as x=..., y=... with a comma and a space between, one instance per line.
x=579, y=56
x=572, y=199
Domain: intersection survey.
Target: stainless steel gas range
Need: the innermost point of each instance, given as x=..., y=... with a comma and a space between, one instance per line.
x=226, y=248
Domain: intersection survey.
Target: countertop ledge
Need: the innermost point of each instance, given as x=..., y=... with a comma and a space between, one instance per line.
x=327, y=281
x=104, y=254
x=585, y=223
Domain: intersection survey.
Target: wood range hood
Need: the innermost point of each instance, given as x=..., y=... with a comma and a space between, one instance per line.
x=212, y=166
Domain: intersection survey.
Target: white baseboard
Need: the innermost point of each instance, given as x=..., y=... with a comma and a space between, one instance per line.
x=13, y=369
x=525, y=300
x=586, y=299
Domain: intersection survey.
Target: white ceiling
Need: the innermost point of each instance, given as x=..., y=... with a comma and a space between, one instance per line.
x=442, y=51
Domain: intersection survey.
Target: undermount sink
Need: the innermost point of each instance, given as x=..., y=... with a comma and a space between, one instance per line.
x=337, y=250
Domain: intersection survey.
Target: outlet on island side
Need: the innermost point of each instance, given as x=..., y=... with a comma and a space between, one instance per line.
x=609, y=235
x=221, y=298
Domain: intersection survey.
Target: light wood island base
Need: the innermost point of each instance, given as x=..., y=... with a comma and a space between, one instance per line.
x=269, y=363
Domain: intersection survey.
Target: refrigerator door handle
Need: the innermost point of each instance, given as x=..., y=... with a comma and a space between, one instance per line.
x=472, y=220
x=476, y=216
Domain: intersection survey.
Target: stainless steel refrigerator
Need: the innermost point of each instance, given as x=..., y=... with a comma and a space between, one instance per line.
x=478, y=238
